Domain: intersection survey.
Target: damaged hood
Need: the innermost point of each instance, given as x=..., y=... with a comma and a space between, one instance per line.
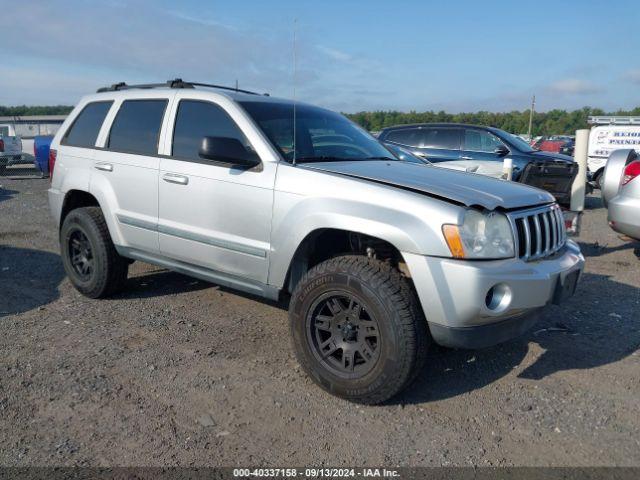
x=466, y=188
x=558, y=157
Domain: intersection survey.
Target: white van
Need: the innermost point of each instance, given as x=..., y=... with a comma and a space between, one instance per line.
x=609, y=134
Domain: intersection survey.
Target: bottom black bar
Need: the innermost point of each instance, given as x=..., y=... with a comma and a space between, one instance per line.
x=431, y=473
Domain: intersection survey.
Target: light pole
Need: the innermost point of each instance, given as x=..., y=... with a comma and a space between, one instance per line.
x=533, y=106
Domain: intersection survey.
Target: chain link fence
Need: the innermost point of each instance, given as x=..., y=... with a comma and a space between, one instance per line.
x=24, y=144
x=18, y=166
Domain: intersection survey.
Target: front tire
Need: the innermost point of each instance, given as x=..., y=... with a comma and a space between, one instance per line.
x=358, y=330
x=89, y=256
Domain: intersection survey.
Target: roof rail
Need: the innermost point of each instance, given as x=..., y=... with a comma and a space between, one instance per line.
x=614, y=120
x=175, y=83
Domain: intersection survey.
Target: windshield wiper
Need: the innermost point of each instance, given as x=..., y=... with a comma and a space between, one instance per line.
x=329, y=158
x=322, y=158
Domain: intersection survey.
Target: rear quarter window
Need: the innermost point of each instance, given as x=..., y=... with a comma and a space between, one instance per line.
x=136, y=128
x=84, y=130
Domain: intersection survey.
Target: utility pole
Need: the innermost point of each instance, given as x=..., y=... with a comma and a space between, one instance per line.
x=533, y=106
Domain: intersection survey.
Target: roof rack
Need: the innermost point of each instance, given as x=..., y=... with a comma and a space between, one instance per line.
x=175, y=83
x=614, y=120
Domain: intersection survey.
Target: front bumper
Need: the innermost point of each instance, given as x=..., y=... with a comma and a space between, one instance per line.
x=482, y=336
x=472, y=304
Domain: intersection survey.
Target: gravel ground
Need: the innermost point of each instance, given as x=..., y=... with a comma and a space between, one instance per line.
x=181, y=372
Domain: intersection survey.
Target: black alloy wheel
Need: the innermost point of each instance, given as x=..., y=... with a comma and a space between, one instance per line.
x=344, y=336
x=81, y=254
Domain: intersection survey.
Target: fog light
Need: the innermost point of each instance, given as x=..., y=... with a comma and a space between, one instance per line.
x=498, y=298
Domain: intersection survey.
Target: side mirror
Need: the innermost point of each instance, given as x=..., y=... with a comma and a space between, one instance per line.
x=501, y=151
x=227, y=150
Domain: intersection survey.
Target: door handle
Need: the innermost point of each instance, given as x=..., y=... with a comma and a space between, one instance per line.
x=466, y=158
x=105, y=167
x=174, y=178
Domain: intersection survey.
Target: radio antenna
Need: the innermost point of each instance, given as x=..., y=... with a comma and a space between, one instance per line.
x=295, y=29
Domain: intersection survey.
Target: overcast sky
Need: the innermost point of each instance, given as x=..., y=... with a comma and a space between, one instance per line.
x=412, y=55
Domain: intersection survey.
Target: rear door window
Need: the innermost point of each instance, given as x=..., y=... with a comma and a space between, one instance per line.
x=85, y=128
x=412, y=137
x=443, y=138
x=197, y=119
x=136, y=128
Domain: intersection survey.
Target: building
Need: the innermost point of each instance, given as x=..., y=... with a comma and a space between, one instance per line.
x=28, y=126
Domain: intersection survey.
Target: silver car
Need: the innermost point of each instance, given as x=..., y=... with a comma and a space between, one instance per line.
x=621, y=192
x=377, y=257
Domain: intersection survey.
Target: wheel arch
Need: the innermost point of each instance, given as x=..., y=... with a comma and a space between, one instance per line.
x=76, y=199
x=324, y=243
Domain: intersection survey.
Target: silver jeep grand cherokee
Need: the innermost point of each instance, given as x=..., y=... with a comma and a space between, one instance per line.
x=378, y=257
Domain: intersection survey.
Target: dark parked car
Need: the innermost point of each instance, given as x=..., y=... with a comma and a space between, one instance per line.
x=450, y=142
x=568, y=148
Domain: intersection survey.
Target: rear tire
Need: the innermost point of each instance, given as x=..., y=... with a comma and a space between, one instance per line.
x=598, y=180
x=89, y=256
x=358, y=329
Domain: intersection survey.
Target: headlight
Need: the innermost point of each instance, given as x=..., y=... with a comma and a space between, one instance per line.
x=481, y=235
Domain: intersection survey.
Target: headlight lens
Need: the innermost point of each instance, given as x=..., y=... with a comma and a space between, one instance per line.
x=481, y=235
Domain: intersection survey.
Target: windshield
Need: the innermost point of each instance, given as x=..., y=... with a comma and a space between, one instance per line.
x=321, y=135
x=520, y=144
x=405, y=155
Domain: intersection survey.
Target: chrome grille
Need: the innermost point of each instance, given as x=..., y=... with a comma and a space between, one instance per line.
x=538, y=233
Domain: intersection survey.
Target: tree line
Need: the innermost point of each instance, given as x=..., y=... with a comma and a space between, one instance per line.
x=553, y=122
x=34, y=110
